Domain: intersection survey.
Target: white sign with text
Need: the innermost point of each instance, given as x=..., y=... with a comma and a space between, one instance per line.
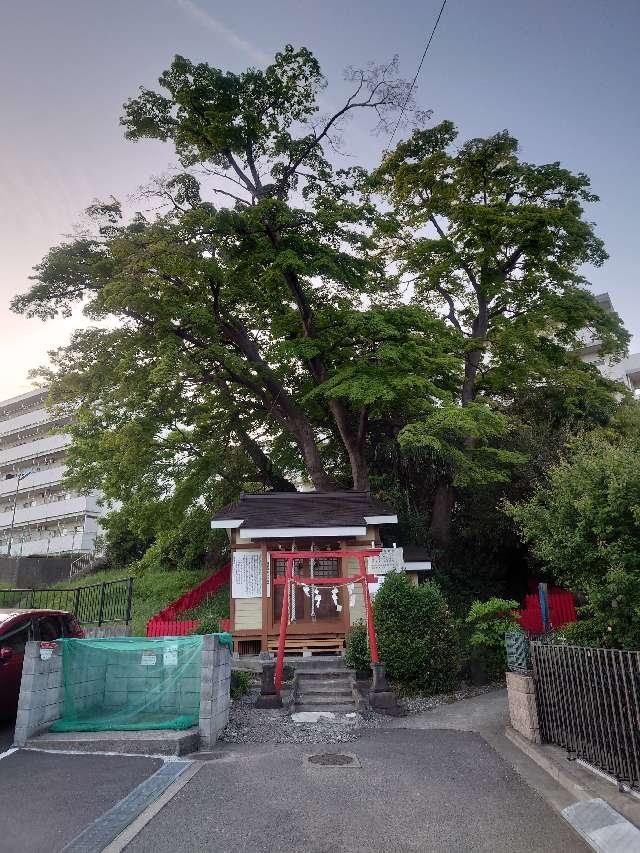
x=246, y=574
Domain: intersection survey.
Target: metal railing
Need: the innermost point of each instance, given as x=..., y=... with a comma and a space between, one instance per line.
x=97, y=604
x=589, y=704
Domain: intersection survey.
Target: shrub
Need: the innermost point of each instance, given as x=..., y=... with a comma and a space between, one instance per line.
x=416, y=634
x=585, y=632
x=240, y=683
x=357, y=655
x=489, y=621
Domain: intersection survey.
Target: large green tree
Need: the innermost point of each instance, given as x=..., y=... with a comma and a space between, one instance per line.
x=498, y=244
x=583, y=524
x=253, y=333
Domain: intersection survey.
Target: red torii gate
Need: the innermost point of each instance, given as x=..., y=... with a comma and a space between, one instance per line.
x=288, y=578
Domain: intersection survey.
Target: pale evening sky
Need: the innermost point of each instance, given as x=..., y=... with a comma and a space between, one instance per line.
x=561, y=75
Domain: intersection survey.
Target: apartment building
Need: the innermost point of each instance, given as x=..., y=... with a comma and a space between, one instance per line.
x=38, y=515
x=626, y=371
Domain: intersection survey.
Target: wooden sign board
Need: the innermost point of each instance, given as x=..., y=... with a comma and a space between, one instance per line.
x=246, y=574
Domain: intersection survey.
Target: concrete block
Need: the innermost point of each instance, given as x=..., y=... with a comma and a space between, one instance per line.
x=524, y=715
x=52, y=712
x=54, y=679
x=33, y=699
x=114, y=699
x=210, y=642
x=518, y=683
x=20, y=735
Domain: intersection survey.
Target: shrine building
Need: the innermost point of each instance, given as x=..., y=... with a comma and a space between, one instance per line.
x=319, y=616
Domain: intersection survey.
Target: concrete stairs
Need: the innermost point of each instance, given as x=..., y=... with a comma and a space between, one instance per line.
x=326, y=686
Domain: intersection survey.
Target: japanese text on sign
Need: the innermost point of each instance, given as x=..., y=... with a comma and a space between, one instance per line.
x=246, y=575
x=389, y=560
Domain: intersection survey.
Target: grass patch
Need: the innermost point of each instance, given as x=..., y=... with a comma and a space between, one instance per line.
x=152, y=591
x=212, y=609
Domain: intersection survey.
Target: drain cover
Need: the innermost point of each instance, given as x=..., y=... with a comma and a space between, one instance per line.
x=332, y=759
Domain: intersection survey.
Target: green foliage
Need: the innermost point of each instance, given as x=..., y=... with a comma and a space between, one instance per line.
x=255, y=328
x=240, y=683
x=357, y=655
x=210, y=611
x=583, y=524
x=497, y=244
x=152, y=591
x=416, y=635
x=584, y=633
x=122, y=545
x=186, y=545
x=488, y=622
x=250, y=343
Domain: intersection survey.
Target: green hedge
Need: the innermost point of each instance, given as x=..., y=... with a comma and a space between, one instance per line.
x=417, y=637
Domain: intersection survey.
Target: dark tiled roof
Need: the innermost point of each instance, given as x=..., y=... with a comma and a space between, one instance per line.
x=304, y=509
x=416, y=554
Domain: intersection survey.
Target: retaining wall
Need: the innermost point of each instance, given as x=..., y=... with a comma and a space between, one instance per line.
x=42, y=693
x=119, y=630
x=21, y=572
x=522, y=705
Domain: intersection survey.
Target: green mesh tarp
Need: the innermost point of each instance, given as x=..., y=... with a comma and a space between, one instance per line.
x=131, y=683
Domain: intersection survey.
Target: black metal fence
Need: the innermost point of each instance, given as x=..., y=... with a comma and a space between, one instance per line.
x=97, y=604
x=589, y=704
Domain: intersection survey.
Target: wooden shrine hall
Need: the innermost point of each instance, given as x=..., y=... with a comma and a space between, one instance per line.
x=342, y=525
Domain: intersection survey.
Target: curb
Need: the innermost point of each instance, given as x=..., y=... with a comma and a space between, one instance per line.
x=549, y=766
x=599, y=824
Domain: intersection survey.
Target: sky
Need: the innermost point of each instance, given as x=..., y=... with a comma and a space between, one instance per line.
x=561, y=75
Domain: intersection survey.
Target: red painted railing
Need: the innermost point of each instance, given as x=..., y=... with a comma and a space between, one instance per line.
x=167, y=622
x=562, y=610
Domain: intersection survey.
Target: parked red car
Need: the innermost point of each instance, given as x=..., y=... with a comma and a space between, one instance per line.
x=16, y=627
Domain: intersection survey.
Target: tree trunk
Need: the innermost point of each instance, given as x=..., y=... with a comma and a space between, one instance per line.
x=354, y=443
x=441, y=515
x=306, y=441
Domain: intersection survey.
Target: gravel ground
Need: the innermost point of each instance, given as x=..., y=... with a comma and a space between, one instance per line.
x=420, y=704
x=250, y=725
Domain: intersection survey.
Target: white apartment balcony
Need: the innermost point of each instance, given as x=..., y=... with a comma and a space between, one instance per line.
x=83, y=505
x=626, y=371
x=33, y=449
x=49, y=477
x=39, y=417
x=79, y=542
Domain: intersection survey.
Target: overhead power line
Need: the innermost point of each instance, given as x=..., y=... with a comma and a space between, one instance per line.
x=413, y=83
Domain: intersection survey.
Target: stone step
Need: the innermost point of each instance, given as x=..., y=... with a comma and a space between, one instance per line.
x=324, y=698
x=324, y=687
x=159, y=742
x=319, y=664
x=342, y=674
x=338, y=710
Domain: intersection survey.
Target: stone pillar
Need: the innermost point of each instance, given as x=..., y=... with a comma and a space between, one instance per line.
x=215, y=690
x=523, y=710
x=381, y=697
x=269, y=696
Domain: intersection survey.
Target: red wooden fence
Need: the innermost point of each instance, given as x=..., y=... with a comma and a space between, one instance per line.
x=167, y=622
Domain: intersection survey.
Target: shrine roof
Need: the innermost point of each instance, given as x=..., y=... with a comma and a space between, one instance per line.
x=415, y=553
x=348, y=512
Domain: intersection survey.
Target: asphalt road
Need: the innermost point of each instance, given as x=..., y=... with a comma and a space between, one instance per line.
x=46, y=799
x=435, y=790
